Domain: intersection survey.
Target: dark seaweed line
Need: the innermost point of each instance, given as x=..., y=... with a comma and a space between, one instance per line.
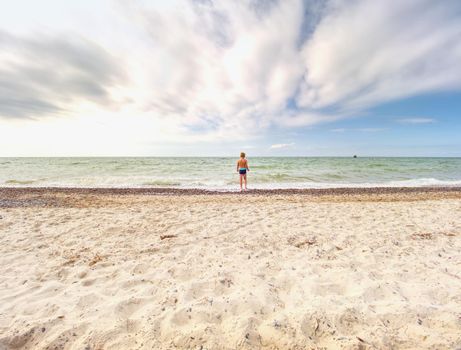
x=16, y=191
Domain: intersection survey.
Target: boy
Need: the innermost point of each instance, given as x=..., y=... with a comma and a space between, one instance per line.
x=242, y=168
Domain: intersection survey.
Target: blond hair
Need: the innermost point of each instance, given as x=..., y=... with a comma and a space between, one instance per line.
x=242, y=154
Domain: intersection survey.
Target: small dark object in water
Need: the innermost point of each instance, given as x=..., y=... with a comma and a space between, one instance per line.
x=355, y=156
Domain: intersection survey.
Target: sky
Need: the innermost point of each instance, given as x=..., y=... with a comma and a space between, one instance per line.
x=213, y=78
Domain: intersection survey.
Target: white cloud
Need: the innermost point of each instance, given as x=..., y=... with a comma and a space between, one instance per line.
x=416, y=120
x=224, y=70
x=358, y=129
x=54, y=75
x=224, y=65
x=367, y=52
x=282, y=145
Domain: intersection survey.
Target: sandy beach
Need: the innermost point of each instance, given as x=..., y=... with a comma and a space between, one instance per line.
x=167, y=269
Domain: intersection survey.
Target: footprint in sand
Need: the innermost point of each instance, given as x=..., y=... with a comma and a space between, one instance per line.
x=324, y=289
x=21, y=340
x=87, y=300
x=88, y=282
x=82, y=273
x=349, y=321
x=127, y=308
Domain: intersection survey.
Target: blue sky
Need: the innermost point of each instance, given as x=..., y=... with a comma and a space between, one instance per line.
x=426, y=125
x=189, y=77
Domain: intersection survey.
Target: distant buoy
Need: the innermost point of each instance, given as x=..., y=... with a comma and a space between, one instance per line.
x=355, y=156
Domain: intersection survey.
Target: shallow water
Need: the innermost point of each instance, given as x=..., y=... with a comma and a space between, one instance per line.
x=220, y=173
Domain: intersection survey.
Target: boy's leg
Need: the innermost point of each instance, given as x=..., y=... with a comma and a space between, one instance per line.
x=245, y=176
x=241, y=182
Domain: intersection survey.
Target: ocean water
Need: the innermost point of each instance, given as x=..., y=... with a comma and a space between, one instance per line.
x=220, y=173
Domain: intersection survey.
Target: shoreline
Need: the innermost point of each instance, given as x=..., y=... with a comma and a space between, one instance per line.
x=13, y=197
x=198, y=191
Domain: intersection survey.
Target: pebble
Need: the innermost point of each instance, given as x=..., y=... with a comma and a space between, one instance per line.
x=11, y=197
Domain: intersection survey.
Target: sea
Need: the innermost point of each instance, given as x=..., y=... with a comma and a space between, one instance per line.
x=219, y=173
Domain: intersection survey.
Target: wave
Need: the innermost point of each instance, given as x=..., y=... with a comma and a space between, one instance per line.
x=420, y=182
x=231, y=185
x=281, y=177
x=19, y=182
x=333, y=176
x=162, y=183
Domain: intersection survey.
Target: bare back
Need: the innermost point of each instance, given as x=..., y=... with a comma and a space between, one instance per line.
x=242, y=163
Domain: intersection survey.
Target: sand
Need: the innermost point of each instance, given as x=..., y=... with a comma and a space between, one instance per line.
x=273, y=270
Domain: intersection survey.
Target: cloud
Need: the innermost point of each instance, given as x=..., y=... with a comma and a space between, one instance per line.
x=282, y=145
x=236, y=63
x=228, y=69
x=416, y=121
x=302, y=119
x=44, y=75
x=364, y=53
x=358, y=129
x=244, y=66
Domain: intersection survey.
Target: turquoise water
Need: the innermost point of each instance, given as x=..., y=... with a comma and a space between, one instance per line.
x=220, y=173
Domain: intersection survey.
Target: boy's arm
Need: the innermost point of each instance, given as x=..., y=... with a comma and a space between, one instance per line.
x=248, y=167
